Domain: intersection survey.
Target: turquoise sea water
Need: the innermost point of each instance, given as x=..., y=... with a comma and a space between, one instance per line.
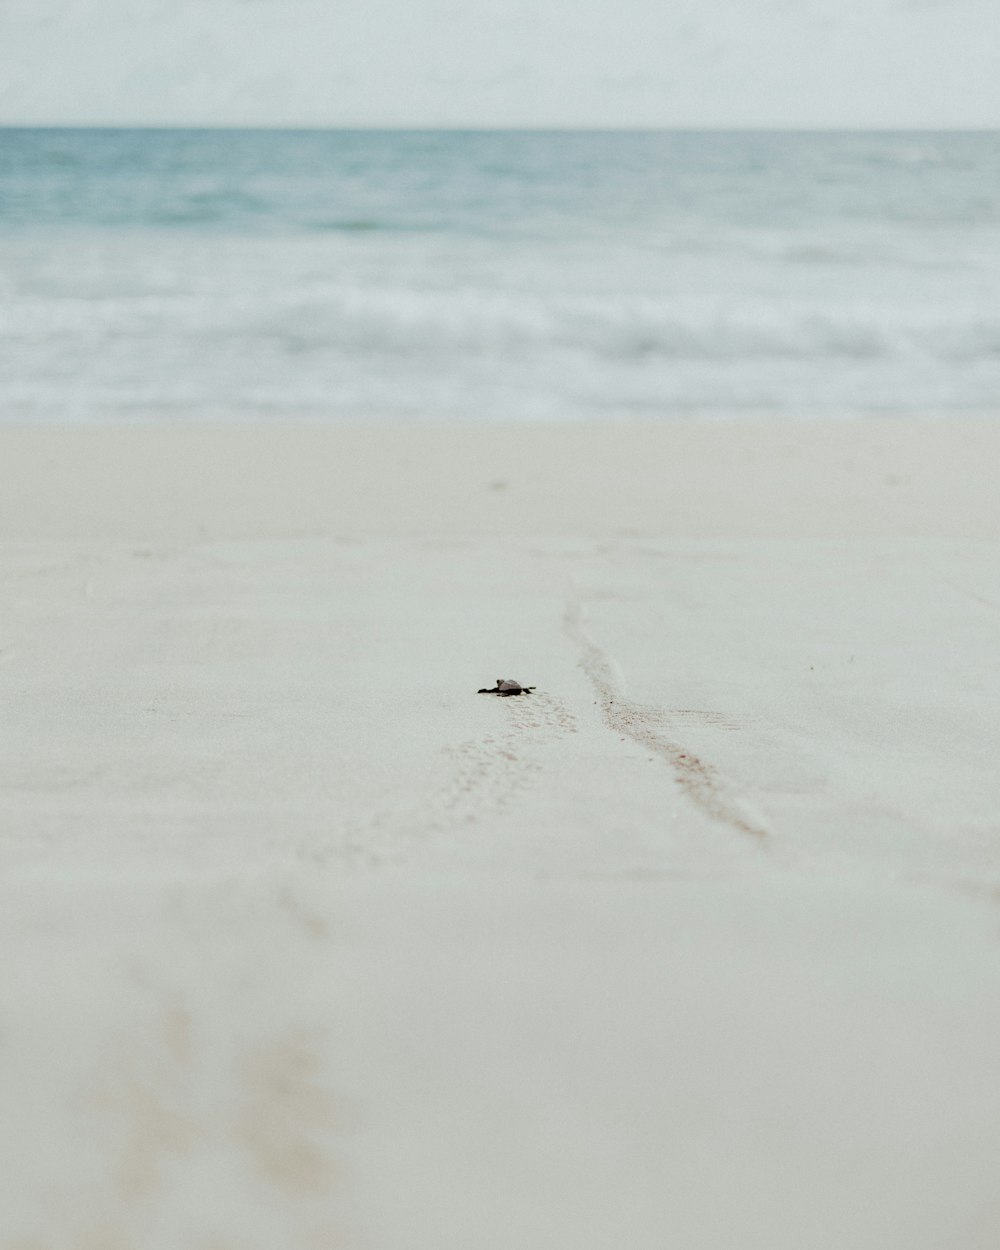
x=345, y=275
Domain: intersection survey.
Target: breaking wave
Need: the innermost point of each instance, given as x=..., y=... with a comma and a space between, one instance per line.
x=203, y=275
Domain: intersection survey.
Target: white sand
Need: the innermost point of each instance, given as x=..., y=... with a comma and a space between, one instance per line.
x=307, y=945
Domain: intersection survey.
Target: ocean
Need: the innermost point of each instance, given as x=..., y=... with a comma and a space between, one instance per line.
x=365, y=275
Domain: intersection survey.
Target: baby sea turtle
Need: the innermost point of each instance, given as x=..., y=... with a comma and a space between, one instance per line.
x=505, y=688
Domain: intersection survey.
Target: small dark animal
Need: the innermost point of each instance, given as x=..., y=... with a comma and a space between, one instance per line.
x=505, y=688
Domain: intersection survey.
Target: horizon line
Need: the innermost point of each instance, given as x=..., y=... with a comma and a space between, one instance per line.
x=361, y=128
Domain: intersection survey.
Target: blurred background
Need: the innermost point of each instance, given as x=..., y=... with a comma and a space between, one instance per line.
x=262, y=209
x=331, y=274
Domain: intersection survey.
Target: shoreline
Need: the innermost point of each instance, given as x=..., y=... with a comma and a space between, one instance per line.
x=684, y=479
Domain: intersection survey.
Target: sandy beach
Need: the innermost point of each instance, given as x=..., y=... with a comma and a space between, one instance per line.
x=306, y=944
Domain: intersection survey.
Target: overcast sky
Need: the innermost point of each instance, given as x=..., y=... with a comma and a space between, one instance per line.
x=871, y=63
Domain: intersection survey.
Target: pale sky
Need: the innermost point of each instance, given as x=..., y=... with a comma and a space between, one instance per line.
x=732, y=63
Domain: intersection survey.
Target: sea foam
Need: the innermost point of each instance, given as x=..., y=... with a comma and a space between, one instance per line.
x=198, y=275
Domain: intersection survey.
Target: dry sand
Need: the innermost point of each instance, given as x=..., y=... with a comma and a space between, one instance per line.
x=307, y=945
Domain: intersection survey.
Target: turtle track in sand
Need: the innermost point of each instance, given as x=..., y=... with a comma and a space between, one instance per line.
x=485, y=776
x=647, y=726
x=493, y=772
